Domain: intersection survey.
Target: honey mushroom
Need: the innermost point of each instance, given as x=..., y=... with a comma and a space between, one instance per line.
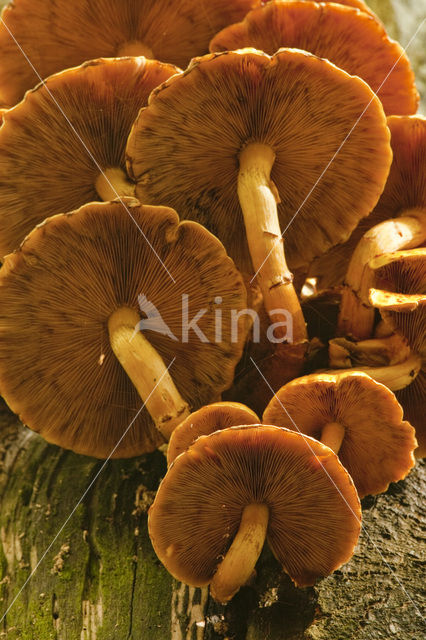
x=396, y=223
x=239, y=142
x=208, y=419
x=57, y=34
x=91, y=319
x=64, y=144
x=351, y=39
x=358, y=418
x=233, y=488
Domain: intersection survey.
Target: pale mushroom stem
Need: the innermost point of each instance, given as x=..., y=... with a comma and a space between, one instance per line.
x=395, y=377
x=240, y=560
x=258, y=198
x=372, y=352
x=146, y=369
x=332, y=435
x=113, y=183
x=356, y=315
x=134, y=48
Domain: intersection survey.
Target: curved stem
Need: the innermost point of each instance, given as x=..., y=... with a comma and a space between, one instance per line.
x=258, y=198
x=238, y=564
x=356, y=315
x=113, y=183
x=146, y=369
x=395, y=377
x=332, y=435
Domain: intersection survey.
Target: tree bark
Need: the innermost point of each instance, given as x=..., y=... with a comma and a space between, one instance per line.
x=99, y=579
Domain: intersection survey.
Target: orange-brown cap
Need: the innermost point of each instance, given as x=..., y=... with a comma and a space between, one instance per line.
x=351, y=39
x=184, y=147
x=212, y=417
x=58, y=291
x=405, y=191
x=56, y=34
x=377, y=446
x=314, y=511
x=55, y=143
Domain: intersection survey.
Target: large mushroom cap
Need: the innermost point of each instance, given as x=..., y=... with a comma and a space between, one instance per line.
x=212, y=417
x=184, y=147
x=349, y=38
x=405, y=190
x=56, y=34
x=55, y=143
x=377, y=446
x=314, y=512
x=58, y=291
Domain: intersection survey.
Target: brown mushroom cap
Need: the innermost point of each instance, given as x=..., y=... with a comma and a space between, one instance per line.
x=212, y=417
x=56, y=34
x=55, y=142
x=378, y=445
x=184, y=147
x=58, y=291
x=405, y=190
x=314, y=510
x=349, y=38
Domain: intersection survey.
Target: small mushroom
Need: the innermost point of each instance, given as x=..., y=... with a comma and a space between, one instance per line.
x=232, y=489
x=64, y=144
x=96, y=306
x=249, y=145
x=359, y=419
x=351, y=39
x=56, y=34
x=212, y=417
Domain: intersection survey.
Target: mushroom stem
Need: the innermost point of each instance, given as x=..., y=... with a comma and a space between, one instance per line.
x=332, y=435
x=356, y=315
x=113, y=183
x=240, y=560
x=134, y=48
x=395, y=377
x=258, y=198
x=147, y=371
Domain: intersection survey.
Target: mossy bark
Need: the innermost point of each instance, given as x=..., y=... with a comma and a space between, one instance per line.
x=77, y=563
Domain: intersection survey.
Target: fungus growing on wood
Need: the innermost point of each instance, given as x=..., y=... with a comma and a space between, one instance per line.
x=90, y=316
x=349, y=38
x=212, y=417
x=245, y=141
x=232, y=489
x=401, y=300
x=359, y=419
x=57, y=34
x=64, y=144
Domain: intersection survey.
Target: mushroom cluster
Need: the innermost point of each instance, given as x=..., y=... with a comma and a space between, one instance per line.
x=174, y=233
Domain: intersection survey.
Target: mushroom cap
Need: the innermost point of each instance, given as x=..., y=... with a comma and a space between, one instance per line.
x=378, y=445
x=184, y=147
x=57, y=292
x=56, y=34
x=54, y=143
x=351, y=39
x=208, y=419
x=405, y=189
x=314, y=509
